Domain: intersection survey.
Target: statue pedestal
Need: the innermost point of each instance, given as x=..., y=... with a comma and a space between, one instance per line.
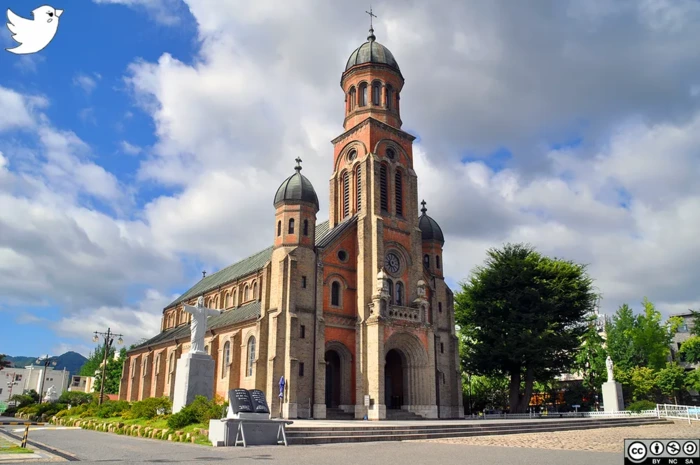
x=194, y=377
x=612, y=397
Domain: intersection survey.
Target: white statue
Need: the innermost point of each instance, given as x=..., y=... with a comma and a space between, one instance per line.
x=198, y=326
x=51, y=394
x=420, y=288
x=609, y=365
x=382, y=283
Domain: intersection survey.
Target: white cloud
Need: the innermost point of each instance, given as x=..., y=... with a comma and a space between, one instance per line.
x=87, y=83
x=130, y=149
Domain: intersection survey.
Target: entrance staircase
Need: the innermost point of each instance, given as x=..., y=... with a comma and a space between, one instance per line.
x=402, y=415
x=338, y=414
x=363, y=431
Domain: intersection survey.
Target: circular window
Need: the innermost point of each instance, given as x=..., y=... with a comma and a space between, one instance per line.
x=342, y=256
x=352, y=155
x=390, y=153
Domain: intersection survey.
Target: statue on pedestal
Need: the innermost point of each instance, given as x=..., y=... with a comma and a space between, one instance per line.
x=609, y=365
x=51, y=395
x=198, y=326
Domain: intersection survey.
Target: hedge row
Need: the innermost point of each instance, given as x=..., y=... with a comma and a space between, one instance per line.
x=141, y=431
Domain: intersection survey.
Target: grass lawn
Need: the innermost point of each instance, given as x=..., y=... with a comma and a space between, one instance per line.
x=15, y=450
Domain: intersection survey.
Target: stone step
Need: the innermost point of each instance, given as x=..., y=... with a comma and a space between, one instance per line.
x=402, y=434
x=366, y=426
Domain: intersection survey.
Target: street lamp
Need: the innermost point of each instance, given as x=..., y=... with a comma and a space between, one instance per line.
x=109, y=339
x=45, y=360
x=12, y=383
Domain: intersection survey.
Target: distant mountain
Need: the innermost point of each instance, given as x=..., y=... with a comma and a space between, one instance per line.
x=71, y=361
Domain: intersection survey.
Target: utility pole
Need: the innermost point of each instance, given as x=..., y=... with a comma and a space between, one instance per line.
x=109, y=338
x=45, y=360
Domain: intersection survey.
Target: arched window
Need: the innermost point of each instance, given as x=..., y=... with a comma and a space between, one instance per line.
x=346, y=194
x=227, y=359
x=353, y=98
x=306, y=227
x=391, y=291
x=383, y=188
x=363, y=94
x=279, y=228
x=216, y=302
x=255, y=290
x=228, y=300
x=171, y=367
x=158, y=365
x=437, y=261
x=389, y=96
x=335, y=293
x=426, y=261
x=399, y=293
x=358, y=187
x=376, y=93
x=144, y=367
x=245, y=293
x=291, y=226
x=234, y=298
x=251, y=356
x=398, y=188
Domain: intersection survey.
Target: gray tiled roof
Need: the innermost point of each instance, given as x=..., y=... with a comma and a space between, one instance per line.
x=239, y=269
x=330, y=236
x=250, y=311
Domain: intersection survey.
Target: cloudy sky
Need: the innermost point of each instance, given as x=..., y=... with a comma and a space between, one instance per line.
x=146, y=142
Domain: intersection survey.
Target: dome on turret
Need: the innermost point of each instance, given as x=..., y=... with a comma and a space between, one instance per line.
x=296, y=188
x=372, y=52
x=430, y=230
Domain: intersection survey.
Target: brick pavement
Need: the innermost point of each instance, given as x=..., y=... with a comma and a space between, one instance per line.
x=598, y=440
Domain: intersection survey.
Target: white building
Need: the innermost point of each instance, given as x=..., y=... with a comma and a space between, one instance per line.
x=19, y=380
x=82, y=384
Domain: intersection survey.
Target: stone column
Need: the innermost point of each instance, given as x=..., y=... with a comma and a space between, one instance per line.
x=375, y=368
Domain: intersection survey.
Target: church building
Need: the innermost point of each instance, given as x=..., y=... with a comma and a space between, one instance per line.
x=353, y=311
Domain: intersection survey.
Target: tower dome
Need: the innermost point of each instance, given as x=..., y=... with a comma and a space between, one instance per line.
x=372, y=52
x=296, y=188
x=430, y=230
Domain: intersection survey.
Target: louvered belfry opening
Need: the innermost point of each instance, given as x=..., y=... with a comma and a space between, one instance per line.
x=346, y=194
x=358, y=179
x=399, y=193
x=383, y=188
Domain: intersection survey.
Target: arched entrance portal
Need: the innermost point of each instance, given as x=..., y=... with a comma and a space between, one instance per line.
x=394, y=380
x=332, y=379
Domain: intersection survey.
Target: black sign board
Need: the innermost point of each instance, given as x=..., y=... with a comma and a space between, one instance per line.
x=259, y=402
x=240, y=401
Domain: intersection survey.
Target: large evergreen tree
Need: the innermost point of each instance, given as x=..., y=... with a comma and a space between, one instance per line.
x=522, y=315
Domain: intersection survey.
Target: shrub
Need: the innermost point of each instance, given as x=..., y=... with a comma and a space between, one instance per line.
x=151, y=407
x=75, y=398
x=201, y=410
x=111, y=409
x=641, y=405
x=182, y=418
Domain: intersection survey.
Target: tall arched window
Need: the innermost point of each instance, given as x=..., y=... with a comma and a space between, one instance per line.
x=399, y=293
x=389, y=96
x=279, y=228
x=171, y=366
x=235, y=294
x=376, y=93
x=306, y=227
x=426, y=261
x=363, y=94
x=227, y=359
x=245, y=293
x=437, y=261
x=358, y=187
x=353, y=98
x=158, y=365
x=335, y=293
x=291, y=226
x=251, y=356
x=228, y=300
x=383, y=188
x=391, y=291
x=346, y=194
x=255, y=290
x=398, y=187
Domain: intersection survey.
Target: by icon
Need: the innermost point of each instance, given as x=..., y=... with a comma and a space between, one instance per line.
x=656, y=448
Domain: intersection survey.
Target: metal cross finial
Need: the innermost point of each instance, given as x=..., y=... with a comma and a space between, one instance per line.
x=370, y=16
x=423, y=209
x=298, y=167
x=204, y=274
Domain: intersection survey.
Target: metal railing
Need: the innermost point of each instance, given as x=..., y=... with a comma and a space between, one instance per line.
x=680, y=412
x=520, y=416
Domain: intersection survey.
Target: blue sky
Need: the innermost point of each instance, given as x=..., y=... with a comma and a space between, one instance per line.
x=145, y=143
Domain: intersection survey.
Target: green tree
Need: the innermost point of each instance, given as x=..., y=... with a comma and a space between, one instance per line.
x=95, y=359
x=590, y=360
x=695, y=326
x=670, y=380
x=4, y=363
x=113, y=374
x=523, y=316
x=620, y=343
x=690, y=350
x=692, y=380
x=643, y=383
x=652, y=338
x=487, y=392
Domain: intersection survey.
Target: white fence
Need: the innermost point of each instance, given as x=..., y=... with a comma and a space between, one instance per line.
x=681, y=412
x=525, y=416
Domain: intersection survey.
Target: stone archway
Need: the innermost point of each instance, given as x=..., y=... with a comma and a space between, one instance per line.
x=338, y=377
x=409, y=377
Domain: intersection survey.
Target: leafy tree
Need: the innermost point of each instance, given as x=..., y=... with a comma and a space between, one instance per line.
x=690, y=350
x=487, y=392
x=74, y=398
x=523, y=315
x=4, y=363
x=670, y=380
x=95, y=360
x=643, y=383
x=695, y=327
x=620, y=338
x=113, y=374
x=590, y=360
x=692, y=380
